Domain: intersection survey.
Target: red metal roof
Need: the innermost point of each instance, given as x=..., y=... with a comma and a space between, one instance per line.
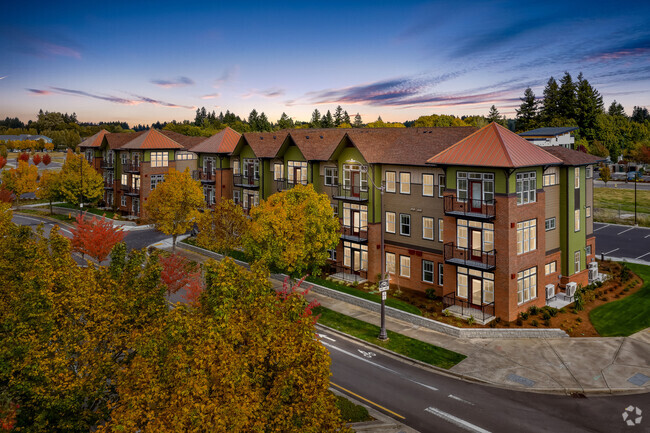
x=223, y=141
x=494, y=146
x=152, y=139
x=94, y=140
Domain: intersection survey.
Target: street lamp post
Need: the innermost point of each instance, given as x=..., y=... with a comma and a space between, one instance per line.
x=81, y=182
x=384, y=281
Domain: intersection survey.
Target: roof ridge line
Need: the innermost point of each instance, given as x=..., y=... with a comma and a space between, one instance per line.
x=163, y=135
x=455, y=144
x=503, y=145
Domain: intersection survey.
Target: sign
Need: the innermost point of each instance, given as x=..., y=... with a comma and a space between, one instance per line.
x=383, y=296
x=383, y=285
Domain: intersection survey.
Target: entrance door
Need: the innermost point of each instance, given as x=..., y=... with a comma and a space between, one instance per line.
x=477, y=288
x=476, y=196
x=355, y=179
x=250, y=201
x=356, y=261
x=250, y=173
x=476, y=244
x=208, y=169
x=297, y=175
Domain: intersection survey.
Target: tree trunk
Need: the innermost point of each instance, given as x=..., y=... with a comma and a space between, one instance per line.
x=174, y=243
x=51, y=207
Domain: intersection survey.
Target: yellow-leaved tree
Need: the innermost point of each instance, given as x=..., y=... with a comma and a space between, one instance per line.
x=21, y=180
x=49, y=187
x=173, y=207
x=292, y=231
x=244, y=360
x=222, y=229
x=79, y=181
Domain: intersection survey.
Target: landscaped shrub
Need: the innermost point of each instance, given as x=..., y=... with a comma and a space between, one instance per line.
x=498, y=319
x=550, y=310
x=546, y=315
x=533, y=310
x=523, y=315
x=519, y=321
x=547, y=323
x=625, y=273
x=534, y=323
x=431, y=294
x=446, y=313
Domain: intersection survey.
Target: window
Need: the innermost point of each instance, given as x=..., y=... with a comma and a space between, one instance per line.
x=577, y=220
x=461, y=285
x=390, y=222
x=550, y=268
x=209, y=165
x=463, y=231
x=390, y=263
x=526, y=236
x=355, y=256
x=405, y=224
x=297, y=172
x=576, y=172
x=89, y=155
x=441, y=185
x=185, y=156
x=589, y=172
x=135, y=181
x=427, y=271
x=278, y=171
x=335, y=208
x=588, y=250
x=588, y=212
x=331, y=176
x=405, y=266
x=251, y=168
x=123, y=201
x=440, y=267
x=390, y=181
x=125, y=159
x=360, y=176
x=461, y=185
x=236, y=167
x=159, y=159
x=427, y=185
x=405, y=183
x=125, y=179
x=550, y=177
x=550, y=224
x=440, y=221
x=332, y=254
x=156, y=179
x=427, y=228
x=208, y=193
x=488, y=287
x=526, y=285
x=576, y=262
x=526, y=187
x=356, y=216
x=236, y=197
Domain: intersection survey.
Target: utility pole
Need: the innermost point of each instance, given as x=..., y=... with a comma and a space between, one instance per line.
x=81, y=182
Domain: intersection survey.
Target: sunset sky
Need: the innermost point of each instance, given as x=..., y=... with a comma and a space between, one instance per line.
x=145, y=61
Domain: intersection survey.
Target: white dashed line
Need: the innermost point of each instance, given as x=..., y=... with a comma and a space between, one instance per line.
x=646, y=237
x=455, y=420
x=631, y=228
x=606, y=225
x=609, y=252
x=642, y=255
x=460, y=399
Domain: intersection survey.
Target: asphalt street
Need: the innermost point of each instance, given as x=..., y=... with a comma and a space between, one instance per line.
x=430, y=402
x=623, y=242
x=621, y=184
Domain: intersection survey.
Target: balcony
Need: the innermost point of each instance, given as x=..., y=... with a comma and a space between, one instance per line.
x=107, y=164
x=477, y=259
x=203, y=175
x=470, y=208
x=460, y=307
x=131, y=167
x=109, y=185
x=246, y=181
x=354, y=234
x=344, y=273
x=129, y=190
x=354, y=193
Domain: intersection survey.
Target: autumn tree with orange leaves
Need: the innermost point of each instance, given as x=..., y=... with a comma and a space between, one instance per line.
x=179, y=274
x=95, y=237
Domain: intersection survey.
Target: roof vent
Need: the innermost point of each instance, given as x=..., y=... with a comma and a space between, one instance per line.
x=261, y=138
x=321, y=137
x=274, y=137
x=307, y=137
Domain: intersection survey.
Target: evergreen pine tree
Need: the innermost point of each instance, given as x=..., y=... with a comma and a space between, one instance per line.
x=567, y=97
x=640, y=114
x=285, y=122
x=346, y=118
x=253, y=120
x=327, y=121
x=338, y=116
x=527, y=112
x=358, y=123
x=263, y=123
x=589, y=104
x=550, y=104
x=616, y=109
x=494, y=115
x=315, y=119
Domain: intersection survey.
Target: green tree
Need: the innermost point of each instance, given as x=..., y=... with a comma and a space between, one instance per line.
x=567, y=97
x=285, y=122
x=315, y=119
x=48, y=187
x=551, y=103
x=221, y=229
x=589, y=103
x=338, y=116
x=640, y=114
x=327, y=121
x=358, y=123
x=605, y=173
x=346, y=118
x=527, y=112
x=495, y=116
x=438, y=120
x=173, y=207
x=616, y=109
x=292, y=231
x=79, y=181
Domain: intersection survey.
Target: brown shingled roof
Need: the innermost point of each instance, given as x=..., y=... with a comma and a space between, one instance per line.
x=118, y=139
x=265, y=144
x=94, y=140
x=405, y=146
x=188, y=142
x=152, y=139
x=317, y=144
x=223, y=141
x=573, y=157
x=494, y=146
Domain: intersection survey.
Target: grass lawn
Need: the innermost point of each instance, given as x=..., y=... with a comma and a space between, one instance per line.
x=63, y=218
x=351, y=412
x=92, y=210
x=394, y=303
x=612, y=198
x=629, y=315
x=234, y=254
x=398, y=343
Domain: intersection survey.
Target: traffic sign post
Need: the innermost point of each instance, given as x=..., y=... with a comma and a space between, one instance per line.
x=383, y=288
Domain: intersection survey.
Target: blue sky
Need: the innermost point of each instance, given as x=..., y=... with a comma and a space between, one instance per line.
x=146, y=61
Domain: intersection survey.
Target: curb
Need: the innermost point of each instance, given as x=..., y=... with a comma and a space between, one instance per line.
x=47, y=217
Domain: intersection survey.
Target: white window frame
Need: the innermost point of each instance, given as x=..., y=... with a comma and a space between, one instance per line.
x=587, y=211
x=390, y=263
x=431, y=229
x=123, y=201
x=402, y=225
x=526, y=187
x=183, y=155
x=278, y=171
x=331, y=176
x=404, y=182
x=236, y=166
x=549, y=224
x=236, y=196
x=156, y=179
x=405, y=266
x=291, y=166
x=440, y=229
x=576, y=220
x=589, y=172
x=576, y=262
x=526, y=236
x=428, y=186
x=527, y=285
x=576, y=178
x=441, y=185
x=390, y=225
x=428, y=264
x=160, y=159
x=391, y=181
x=441, y=267
x=550, y=268
x=588, y=250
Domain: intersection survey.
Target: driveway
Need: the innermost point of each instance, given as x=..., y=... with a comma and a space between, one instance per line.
x=623, y=242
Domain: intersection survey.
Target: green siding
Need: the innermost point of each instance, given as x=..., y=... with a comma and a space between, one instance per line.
x=570, y=239
x=499, y=177
x=147, y=155
x=539, y=177
x=266, y=181
x=292, y=154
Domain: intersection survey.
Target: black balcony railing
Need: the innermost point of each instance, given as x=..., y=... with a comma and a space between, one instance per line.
x=479, y=259
x=354, y=234
x=246, y=181
x=129, y=190
x=107, y=164
x=109, y=185
x=346, y=273
x=465, y=308
x=131, y=167
x=469, y=207
x=349, y=192
x=203, y=175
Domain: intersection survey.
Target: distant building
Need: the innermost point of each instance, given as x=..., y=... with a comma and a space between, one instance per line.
x=553, y=136
x=23, y=137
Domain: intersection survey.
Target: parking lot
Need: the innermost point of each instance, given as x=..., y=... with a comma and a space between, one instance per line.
x=617, y=241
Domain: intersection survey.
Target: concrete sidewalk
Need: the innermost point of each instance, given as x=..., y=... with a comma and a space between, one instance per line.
x=552, y=365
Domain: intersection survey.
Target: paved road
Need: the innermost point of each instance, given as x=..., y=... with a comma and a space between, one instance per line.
x=623, y=242
x=430, y=402
x=620, y=184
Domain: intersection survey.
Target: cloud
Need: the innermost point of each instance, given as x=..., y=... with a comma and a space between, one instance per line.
x=108, y=98
x=211, y=96
x=55, y=45
x=178, y=82
x=2, y=78
x=163, y=103
x=268, y=93
x=40, y=92
x=228, y=74
x=632, y=48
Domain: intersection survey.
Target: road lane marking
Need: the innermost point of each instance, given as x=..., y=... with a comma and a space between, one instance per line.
x=460, y=399
x=609, y=252
x=606, y=225
x=627, y=230
x=33, y=219
x=642, y=255
x=325, y=337
x=366, y=400
x=366, y=354
x=378, y=365
x=455, y=420
x=646, y=237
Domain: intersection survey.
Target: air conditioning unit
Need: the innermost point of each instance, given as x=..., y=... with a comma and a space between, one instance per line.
x=593, y=265
x=550, y=291
x=593, y=271
x=571, y=289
